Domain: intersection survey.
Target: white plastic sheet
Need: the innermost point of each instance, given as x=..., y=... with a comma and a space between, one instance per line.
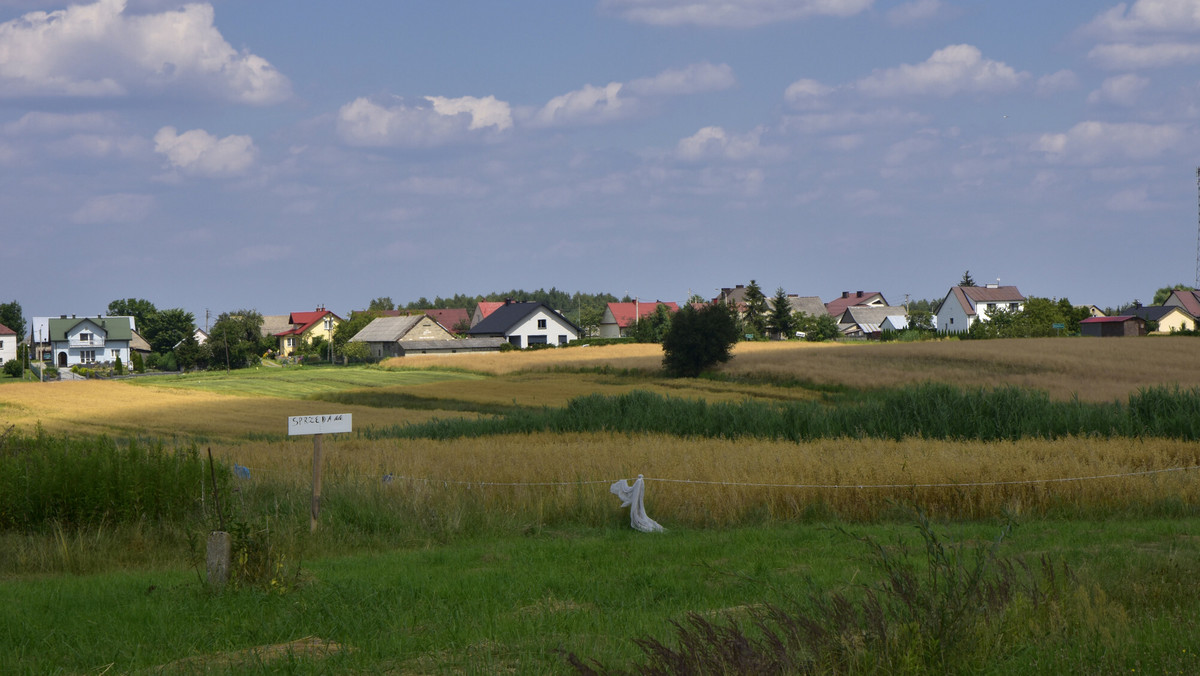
x=633, y=498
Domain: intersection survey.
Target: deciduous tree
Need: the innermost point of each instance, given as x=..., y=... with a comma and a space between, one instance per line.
x=699, y=339
x=12, y=317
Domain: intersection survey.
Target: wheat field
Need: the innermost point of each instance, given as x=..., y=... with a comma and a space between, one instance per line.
x=715, y=482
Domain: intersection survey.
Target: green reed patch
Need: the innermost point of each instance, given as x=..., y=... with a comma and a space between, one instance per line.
x=90, y=481
x=928, y=410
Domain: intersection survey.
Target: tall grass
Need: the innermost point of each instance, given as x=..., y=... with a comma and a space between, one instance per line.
x=48, y=481
x=928, y=411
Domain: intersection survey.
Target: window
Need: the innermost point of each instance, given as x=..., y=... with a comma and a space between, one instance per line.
x=562, y=339
x=515, y=341
x=541, y=323
x=952, y=320
x=537, y=340
x=991, y=307
x=1013, y=306
x=87, y=356
x=1, y=344
x=85, y=337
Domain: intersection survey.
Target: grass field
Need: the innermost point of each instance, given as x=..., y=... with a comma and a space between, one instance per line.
x=504, y=552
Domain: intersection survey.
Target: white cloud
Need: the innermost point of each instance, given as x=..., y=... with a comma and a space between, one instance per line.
x=1123, y=90
x=819, y=123
x=729, y=13
x=806, y=93
x=1059, y=81
x=697, y=78
x=1125, y=56
x=117, y=208
x=199, y=153
x=1148, y=16
x=485, y=112
x=917, y=11
x=711, y=142
x=101, y=50
x=363, y=122
x=952, y=70
x=1090, y=142
x=590, y=105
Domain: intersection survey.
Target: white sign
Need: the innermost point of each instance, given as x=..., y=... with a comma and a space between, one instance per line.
x=333, y=423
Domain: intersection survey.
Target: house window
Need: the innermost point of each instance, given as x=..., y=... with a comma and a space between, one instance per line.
x=515, y=341
x=290, y=342
x=537, y=340
x=85, y=337
x=1, y=344
x=562, y=339
x=991, y=307
x=1013, y=306
x=328, y=323
x=87, y=356
x=541, y=323
x=952, y=320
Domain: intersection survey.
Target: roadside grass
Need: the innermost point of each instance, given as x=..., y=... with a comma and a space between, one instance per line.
x=498, y=603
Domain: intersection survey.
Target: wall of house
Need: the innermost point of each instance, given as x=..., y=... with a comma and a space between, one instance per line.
x=555, y=328
x=608, y=325
x=427, y=329
x=8, y=347
x=1175, y=321
x=952, y=318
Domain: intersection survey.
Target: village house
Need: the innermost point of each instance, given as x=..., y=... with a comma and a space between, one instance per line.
x=304, y=327
x=8, y=344
x=619, y=318
x=836, y=307
x=526, y=324
x=388, y=336
x=90, y=340
x=1166, y=318
x=965, y=305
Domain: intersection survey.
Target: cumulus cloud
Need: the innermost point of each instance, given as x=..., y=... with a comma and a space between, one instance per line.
x=729, y=13
x=1059, y=81
x=117, y=208
x=1123, y=90
x=589, y=105
x=715, y=142
x=199, y=153
x=807, y=93
x=820, y=123
x=1090, y=142
x=440, y=121
x=952, y=70
x=697, y=78
x=1148, y=16
x=100, y=50
x=1125, y=56
x=618, y=100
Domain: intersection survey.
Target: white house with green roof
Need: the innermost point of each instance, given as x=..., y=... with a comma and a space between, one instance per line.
x=90, y=340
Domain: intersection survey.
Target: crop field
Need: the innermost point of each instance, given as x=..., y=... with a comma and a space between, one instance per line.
x=467, y=524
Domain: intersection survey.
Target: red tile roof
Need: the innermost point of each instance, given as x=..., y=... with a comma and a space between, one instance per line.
x=303, y=321
x=837, y=306
x=487, y=307
x=1108, y=320
x=449, y=317
x=1190, y=300
x=5, y=331
x=627, y=313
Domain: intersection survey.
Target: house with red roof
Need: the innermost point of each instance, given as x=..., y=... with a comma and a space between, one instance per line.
x=1188, y=300
x=305, y=326
x=620, y=317
x=837, y=307
x=965, y=305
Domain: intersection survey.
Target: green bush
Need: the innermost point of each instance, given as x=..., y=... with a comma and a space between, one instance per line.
x=14, y=368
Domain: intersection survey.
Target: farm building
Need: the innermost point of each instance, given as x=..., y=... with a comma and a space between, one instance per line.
x=1113, y=327
x=396, y=336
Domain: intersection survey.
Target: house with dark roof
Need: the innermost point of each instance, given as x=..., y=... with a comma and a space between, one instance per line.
x=90, y=340
x=8, y=344
x=965, y=305
x=526, y=324
x=1113, y=327
x=303, y=327
x=483, y=309
x=619, y=318
x=836, y=307
x=1166, y=318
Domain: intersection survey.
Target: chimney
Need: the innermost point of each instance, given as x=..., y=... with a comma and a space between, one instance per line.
x=860, y=294
x=508, y=301
x=741, y=286
x=845, y=294
x=62, y=316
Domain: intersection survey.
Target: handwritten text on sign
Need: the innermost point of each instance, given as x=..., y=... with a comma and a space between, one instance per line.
x=333, y=423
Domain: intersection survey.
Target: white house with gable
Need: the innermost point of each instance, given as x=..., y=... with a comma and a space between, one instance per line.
x=526, y=324
x=965, y=305
x=8, y=344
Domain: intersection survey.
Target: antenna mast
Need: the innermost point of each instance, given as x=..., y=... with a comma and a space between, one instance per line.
x=1198, y=229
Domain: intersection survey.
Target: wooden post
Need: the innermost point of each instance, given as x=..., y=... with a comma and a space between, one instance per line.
x=217, y=559
x=316, y=489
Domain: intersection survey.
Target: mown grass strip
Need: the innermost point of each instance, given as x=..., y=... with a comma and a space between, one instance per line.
x=303, y=382
x=930, y=410
x=392, y=399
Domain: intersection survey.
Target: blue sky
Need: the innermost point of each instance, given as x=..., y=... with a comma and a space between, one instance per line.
x=280, y=155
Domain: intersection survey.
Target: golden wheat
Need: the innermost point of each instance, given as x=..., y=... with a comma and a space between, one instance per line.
x=114, y=407
x=708, y=481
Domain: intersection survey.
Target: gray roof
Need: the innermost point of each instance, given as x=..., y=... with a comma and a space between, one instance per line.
x=492, y=343
x=1153, y=312
x=869, y=314
x=386, y=329
x=812, y=306
x=273, y=324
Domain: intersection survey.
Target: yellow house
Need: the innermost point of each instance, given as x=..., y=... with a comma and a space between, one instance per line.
x=1169, y=317
x=305, y=327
